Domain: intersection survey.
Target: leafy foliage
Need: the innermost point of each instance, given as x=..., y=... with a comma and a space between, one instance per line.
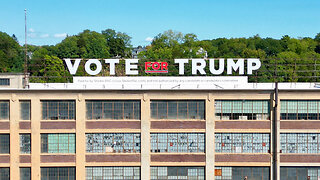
x=287, y=59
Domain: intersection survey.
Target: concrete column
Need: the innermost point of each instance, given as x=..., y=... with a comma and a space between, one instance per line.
x=145, y=138
x=210, y=116
x=80, y=138
x=14, y=138
x=36, y=116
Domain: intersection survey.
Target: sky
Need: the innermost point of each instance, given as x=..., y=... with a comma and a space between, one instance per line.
x=50, y=21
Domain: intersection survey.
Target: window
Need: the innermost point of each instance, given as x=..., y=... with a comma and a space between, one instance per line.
x=58, y=173
x=177, y=142
x=177, y=109
x=57, y=110
x=25, y=143
x=113, y=142
x=300, y=142
x=300, y=109
x=196, y=173
x=113, y=110
x=4, y=173
x=228, y=173
x=4, y=82
x=289, y=173
x=25, y=173
x=242, y=109
x=118, y=173
x=242, y=142
x=58, y=143
x=4, y=143
x=25, y=110
x=4, y=110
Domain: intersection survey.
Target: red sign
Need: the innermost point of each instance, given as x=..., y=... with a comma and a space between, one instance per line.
x=156, y=67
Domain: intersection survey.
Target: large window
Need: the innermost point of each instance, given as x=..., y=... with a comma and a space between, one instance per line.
x=161, y=173
x=167, y=109
x=25, y=110
x=57, y=110
x=230, y=173
x=177, y=142
x=25, y=173
x=4, y=82
x=25, y=143
x=242, y=142
x=4, y=143
x=300, y=109
x=113, y=142
x=58, y=173
x=300, y=142
x=113, y=109
x=4, y=173
x=115, y=173
x=242, y=109
x=4, y=110
x=58, y=143
x=308, y=173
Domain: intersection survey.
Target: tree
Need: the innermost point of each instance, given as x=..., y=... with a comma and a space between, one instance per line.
x=92, y=45
x=119, y=43
x=11, y=56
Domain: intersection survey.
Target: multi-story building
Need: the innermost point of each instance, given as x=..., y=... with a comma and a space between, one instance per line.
x=159, y=128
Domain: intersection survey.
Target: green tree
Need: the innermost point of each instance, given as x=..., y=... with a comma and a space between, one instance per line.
x=11, y=56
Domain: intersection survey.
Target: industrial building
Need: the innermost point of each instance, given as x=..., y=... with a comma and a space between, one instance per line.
x=193, y=128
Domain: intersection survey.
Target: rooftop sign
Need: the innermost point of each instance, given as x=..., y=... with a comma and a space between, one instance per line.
x=197, y=65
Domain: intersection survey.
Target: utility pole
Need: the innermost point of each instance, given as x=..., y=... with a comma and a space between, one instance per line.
x=26, y=50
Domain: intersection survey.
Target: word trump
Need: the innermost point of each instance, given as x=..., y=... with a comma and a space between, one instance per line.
x=197, y=66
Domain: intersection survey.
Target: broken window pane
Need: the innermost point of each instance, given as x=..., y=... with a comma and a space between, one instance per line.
x=113, y=143
x=177, y=142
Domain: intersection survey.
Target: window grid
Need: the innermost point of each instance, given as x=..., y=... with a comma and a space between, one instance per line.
x=113, y=109
x=4, y=173
x=4, y=143
x=58, y=110
x=230, y=173
x=113, y=173
x=25, y=143
x=4, y=110
x=300, y=109
x=177, y=142
x=177, y=109
x=242, y=109
x=25, y=173
x=25, y=110
x=242, y=142
x=113, y=142
x=289, y=173
x=4, y=82
x=164, y=173
x=58, y=143
x=58, y=173
x=300, y=143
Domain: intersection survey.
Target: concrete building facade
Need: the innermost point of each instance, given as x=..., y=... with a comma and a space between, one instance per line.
x=195, y=131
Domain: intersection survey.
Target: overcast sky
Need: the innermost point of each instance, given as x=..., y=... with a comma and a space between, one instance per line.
x=49, y=21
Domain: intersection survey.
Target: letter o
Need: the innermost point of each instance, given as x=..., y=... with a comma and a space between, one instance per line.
x=97, y=63
x=155, y=67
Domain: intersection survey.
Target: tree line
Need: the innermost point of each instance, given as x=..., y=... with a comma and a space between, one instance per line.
x=285, y=60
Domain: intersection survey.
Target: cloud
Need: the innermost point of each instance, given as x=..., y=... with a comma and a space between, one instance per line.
x=62, y=35
x=149, y=39
x=31, y=30
x=32, y=35
x=44, y=36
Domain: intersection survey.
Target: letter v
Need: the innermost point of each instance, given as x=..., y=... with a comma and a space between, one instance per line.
x=72, y=68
